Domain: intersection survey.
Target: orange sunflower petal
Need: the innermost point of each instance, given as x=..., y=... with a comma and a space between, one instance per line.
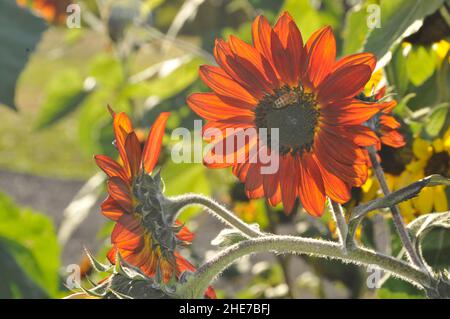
x=262, y=35
x=184, y=233
x=121, y=193
x=111, y=209
x=335, y=188
x=250, y=62
x=321, y=54
x=389, y=121
x=128, y=233
x=311, y=188
x=152, y=146
x=212, y=108
x=393, y=139
x=133, y=149
x=110, y=167
x=345, y=82
x=221, y=83
x=365, y=58
x=288, y=182
x=292, y=43
x=348, y=112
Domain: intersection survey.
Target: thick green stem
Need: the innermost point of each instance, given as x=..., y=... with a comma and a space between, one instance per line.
x=283, y=261
x=339, y=218
x=207, y=273
x=217, y=210
x=396, y=216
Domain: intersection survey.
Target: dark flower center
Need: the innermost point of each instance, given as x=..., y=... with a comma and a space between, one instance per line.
x=439, y=163
x=292, y=111
x=394, y=160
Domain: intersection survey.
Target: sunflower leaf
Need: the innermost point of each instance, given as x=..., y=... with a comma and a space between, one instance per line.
x=66, y=91
x=424, y=225
x=421, y=225
x=392, y=199
x=95, y=263
x=437, y=119
x=20, y=32
x=29, y=253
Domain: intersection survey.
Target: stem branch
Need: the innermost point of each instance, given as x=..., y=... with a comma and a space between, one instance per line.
x=396, y=216
x=206, y=274
x=339, y=218
x=217, y=210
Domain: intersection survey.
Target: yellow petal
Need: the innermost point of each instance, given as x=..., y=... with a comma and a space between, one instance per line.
x=438, y=145
x=390, y=180
x=373, y=83
x=407, y=210
x=447, y=141
x=416, y=166
x=441, y=48
x=424, y=202
x=440, y=199
x=421, y=148
x=367, y=185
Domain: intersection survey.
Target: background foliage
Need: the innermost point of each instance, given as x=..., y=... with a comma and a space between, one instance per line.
x=142, y=57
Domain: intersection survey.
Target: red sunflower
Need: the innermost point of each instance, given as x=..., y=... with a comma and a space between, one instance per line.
x=300, y=89
x=384, y=123
x=142, y=235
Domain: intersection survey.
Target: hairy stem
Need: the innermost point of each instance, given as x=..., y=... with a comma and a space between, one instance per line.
x=283, y=261
x=206, y=274
x=339, y=218
x=217, y=210
x=396, y=216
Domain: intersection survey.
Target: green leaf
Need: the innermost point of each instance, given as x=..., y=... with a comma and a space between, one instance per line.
x=174, y=76
x=425, y=223
x=307, y=17
x=420, y=65
x=435, y=247
x=64, y=94
x=399, y=18
x=437, y=119
x=430, y=236
x=355, y=29
x=397, y=72
x=30, y=238
x=385, y=293
x=94, y=122
x=20, y=31
x=16, y=283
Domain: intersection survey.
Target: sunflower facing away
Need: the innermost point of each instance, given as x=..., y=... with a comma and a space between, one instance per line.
x=384, y=123
x=279, y=82
x=143, y=235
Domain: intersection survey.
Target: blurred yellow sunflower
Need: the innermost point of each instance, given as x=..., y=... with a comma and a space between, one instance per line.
x=430, y=158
